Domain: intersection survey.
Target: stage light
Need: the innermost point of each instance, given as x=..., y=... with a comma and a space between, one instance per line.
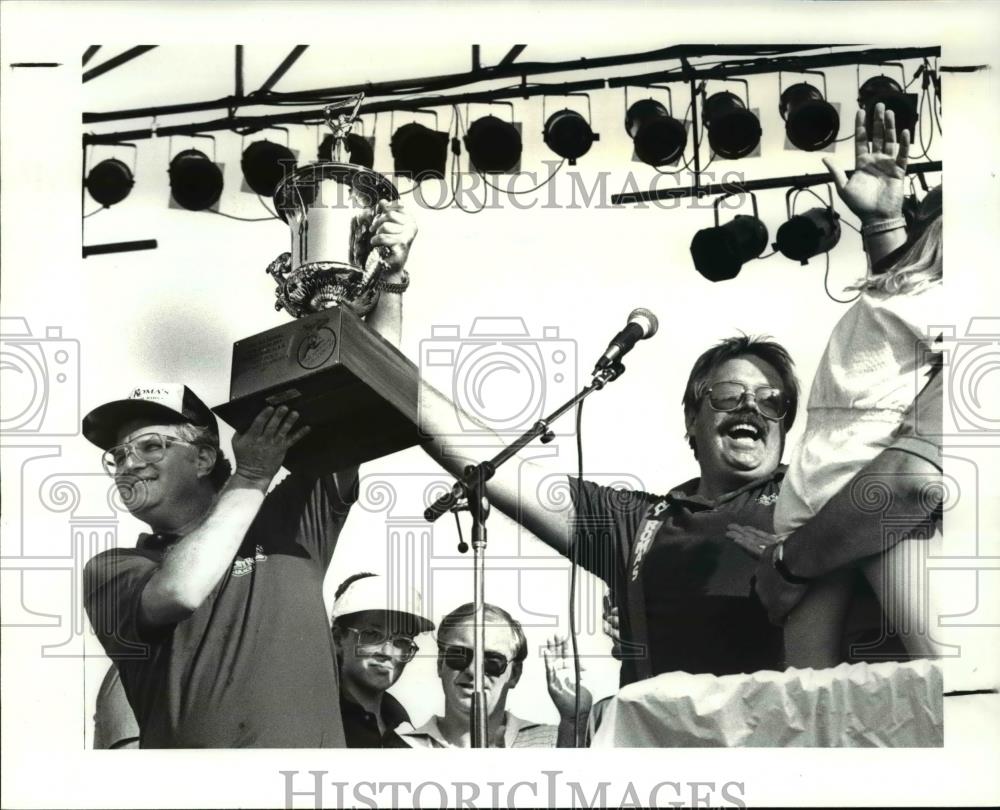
x=720, y=252
x=810, y=234
x=195, y=181
x=360, y=150
x=811, y=122
x=494, y=145
x=733, y=131
x=109, y=182
x=419, y=152
x=885, y=90
x=658, y=137
x=568, y=134
x=264, y=164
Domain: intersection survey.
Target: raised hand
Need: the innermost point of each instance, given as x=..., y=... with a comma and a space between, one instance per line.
x=561, y=680
x=875, y=190
x=394, y=228
x=261, y=448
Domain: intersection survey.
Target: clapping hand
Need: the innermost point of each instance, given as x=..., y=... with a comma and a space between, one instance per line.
x=561, y=680
x=875, y=190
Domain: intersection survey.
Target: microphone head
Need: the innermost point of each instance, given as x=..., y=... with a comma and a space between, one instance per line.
x=645, y=320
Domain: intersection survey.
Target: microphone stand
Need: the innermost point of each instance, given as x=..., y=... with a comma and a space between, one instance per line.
x=470, y=493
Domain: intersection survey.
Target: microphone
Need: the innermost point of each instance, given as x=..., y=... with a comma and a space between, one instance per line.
x=641, y=324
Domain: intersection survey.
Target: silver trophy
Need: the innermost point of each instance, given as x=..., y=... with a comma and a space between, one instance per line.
x=330, y=206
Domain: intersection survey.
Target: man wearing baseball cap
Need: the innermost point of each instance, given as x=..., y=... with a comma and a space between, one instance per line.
x=216, y=619
x=375, y=642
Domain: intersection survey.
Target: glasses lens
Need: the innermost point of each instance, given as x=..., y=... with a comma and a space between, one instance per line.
x=373, y=638
x=150, y=447
x=771, y=402
x=457, y=658
x=725, y=396
x=494, y=664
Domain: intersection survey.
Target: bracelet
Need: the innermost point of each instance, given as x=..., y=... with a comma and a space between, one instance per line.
x=395, y=286
x=778, y=562
x=882, y=226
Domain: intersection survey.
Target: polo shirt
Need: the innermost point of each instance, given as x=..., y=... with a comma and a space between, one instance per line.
x=683, y=589
x=517, y=733
x=254, y=665
x=361, y=726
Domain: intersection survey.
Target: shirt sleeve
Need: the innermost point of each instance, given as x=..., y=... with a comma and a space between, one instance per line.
x=607, y=519
x=307, y=511
x=115, y=725
x=919, y=432
x=113, y=584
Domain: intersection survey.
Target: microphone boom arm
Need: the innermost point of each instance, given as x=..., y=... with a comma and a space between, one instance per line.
x=476, y=475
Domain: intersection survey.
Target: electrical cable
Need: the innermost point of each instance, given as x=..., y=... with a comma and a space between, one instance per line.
x=572, y=583
x=826, y=287
x=267, y=208
x=102, y=208
x=545, y=182
x=240, y=219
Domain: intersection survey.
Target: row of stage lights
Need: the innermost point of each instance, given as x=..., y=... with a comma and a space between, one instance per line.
x=494, y=145
x=720, y=252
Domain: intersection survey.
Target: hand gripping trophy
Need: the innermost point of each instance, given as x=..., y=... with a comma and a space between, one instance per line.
x=356, y=390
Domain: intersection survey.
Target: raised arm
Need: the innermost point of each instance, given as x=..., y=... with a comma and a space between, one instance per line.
x=847, y=530
x=194, y=566
x=394, y=228
x=875, y=190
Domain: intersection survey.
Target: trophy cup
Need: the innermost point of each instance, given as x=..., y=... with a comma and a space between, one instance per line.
x=356, y=390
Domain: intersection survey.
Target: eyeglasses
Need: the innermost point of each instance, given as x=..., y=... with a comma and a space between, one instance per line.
x=371, y=639
x=148, y=448
x=728, y=395
x=458, y=658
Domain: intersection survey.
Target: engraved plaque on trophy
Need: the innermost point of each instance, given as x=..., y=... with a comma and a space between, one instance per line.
x=356, y=391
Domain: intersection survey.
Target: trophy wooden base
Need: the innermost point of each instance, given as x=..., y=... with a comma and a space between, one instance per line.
x=355, y=390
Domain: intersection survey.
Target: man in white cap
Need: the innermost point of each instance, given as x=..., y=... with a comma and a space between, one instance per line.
x=375, y=642
x=216, y=618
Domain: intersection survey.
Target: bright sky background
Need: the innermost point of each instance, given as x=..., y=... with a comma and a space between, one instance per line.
x=172, y=314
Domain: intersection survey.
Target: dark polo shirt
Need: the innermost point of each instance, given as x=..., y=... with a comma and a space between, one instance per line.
x=682, y=587
x=254, y=665
x=361, y=726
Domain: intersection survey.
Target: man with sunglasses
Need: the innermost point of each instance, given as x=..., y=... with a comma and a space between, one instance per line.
x=681, y=587
x=506, y=650
x=374, y=644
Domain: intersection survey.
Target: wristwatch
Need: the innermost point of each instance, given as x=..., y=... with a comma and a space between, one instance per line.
x=778, y=561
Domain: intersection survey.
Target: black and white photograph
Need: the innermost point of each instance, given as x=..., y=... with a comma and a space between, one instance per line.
x=500, y=375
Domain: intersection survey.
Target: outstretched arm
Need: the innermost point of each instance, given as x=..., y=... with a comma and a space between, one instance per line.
x=516, y=489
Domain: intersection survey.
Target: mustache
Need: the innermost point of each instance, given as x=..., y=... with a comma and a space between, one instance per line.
x=746, y=417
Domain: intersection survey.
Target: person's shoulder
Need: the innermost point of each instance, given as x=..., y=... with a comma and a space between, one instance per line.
x=529, y=734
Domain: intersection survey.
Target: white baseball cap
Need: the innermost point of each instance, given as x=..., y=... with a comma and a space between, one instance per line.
x=375, y=592
x=160, y=402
